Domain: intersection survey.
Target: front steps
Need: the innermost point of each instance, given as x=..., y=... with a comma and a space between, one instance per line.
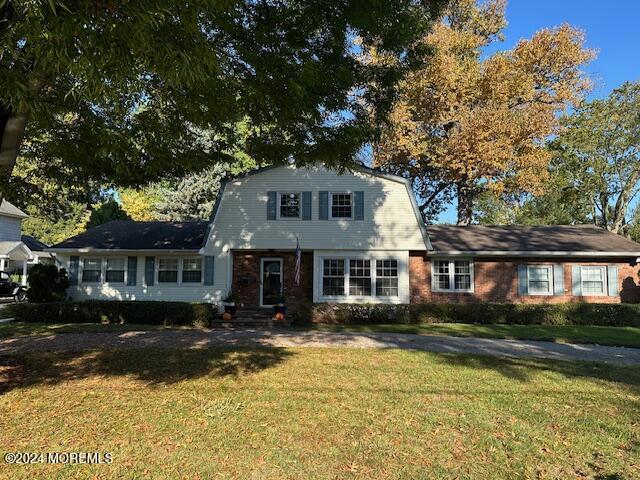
x=248, y=318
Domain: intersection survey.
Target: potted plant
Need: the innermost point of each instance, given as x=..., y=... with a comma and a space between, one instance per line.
x=279, y=305
x=229, y=303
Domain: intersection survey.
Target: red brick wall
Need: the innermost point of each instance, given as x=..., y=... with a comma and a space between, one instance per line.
x=246, y=277
x=496, y=280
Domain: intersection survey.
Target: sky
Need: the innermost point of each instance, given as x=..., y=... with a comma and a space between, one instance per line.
x=612, y=28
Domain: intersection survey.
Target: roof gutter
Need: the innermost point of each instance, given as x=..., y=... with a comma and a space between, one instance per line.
x=507, y=253
x=118, y=250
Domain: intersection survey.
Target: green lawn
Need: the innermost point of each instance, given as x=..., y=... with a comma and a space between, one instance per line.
x=16, y=329
x=619, y=336
x=320, y=413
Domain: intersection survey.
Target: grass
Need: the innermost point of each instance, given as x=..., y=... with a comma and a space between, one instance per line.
x=19, y=329
x=320, y=413
x=617, y=336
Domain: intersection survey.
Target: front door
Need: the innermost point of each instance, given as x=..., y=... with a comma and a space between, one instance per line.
x=271, y=281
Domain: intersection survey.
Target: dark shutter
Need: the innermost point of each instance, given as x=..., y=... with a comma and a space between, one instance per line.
x=358, y=200
x=272, y=201
x=558, y=279
x=132, y=271
x=74, y=270
x=523, y=280
x=323, y=206
x=306, y=205
x=576, y=281
x=149, y=271
x=209, y=270
x=612, y=280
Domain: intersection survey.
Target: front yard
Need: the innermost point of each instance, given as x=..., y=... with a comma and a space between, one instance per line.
x=320, y=413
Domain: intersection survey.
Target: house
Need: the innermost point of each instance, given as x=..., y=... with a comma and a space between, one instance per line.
x=361, y=239
x=18, y=252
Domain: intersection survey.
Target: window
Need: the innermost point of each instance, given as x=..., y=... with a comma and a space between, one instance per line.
x=452, y=275
x=192, y=270
x=593, y=280
x=441, y=275
x=359, y=277
x=341, y=205
x=168, y=270
x=540, y=278
x=115, y=270
x=92, y=270
x=333, y=277
x=387, y=278
x=290, y=205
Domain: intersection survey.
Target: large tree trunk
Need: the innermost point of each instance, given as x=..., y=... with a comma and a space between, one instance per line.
x=466, y=195
x=619, y=214
x=12, y=128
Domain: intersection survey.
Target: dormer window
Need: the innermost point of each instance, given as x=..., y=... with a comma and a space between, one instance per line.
x=290, y=205
x=341, y=205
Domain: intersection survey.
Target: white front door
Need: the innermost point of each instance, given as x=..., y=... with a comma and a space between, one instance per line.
x=270, y=281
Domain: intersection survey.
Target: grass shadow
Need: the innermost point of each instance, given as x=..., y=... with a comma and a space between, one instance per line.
x=157, y=367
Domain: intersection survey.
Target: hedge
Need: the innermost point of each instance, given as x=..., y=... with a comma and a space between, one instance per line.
x=601, y=314
x=152, y=313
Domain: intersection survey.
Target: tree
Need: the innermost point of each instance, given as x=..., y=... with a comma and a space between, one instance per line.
x=140, y=204
x=466, y=124
x=122, y=91
x=599, y=152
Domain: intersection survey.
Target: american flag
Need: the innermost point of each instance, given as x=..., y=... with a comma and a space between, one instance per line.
x=298, y=262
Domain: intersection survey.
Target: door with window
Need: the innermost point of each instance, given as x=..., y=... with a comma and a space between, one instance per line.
x=271, y=281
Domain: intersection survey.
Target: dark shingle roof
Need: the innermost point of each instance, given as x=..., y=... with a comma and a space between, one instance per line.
x=129, y=235
x=521, y=238
x=33, y=244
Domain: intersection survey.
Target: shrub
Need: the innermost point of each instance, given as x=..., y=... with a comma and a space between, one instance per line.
x=47, y=283
x=152, y=313
x=484, y=313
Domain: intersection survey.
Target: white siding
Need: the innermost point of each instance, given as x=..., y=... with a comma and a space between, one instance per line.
x=161, y=292
x=389, y=222
x=10, y=228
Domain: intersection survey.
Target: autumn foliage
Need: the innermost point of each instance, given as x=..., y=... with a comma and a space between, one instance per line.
x=466, y=123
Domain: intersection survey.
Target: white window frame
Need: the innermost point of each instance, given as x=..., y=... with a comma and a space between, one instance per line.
x=331, y=194
x=549, y=269
x=279, y=205
x=347, y=277
x=605, y=280
x=105, y=263
x=181, y=270
x=82, y=269
x=157, y=272
x=452, y=273
x=375, y=275
x=371, y=277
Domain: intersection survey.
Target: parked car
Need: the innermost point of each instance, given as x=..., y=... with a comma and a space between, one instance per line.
x=11, y=289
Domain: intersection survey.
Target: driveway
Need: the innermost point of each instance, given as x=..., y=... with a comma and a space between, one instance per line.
x=284, y=338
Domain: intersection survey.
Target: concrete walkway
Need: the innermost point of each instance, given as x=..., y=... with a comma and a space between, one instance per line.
x=284, y=338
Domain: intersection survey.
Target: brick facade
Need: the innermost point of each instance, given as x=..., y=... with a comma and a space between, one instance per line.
x=496, y=280
x=246, y=277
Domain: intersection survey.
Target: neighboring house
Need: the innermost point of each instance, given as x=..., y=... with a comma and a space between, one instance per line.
x=17, y=251
x=361, y=239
